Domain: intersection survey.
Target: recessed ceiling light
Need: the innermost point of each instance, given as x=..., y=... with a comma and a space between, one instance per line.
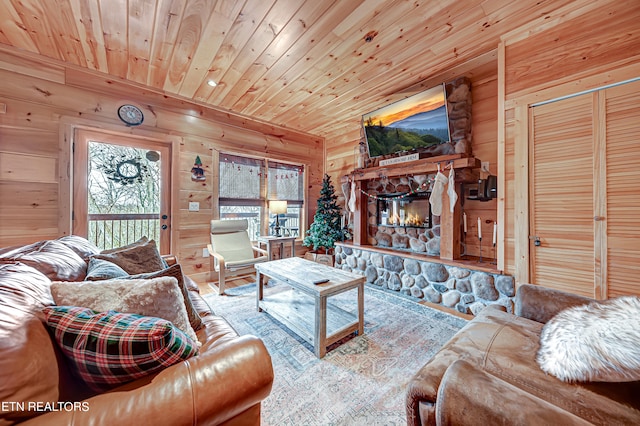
x=212, y=83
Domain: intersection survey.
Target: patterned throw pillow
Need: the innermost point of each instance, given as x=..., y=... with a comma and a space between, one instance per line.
x=138, y=259
x=110, y=348
x=176, y=272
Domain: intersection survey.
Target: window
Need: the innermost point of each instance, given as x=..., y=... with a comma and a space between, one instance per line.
x=286, y=182
x=246, y=186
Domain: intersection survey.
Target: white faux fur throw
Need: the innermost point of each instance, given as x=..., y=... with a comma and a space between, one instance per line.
x=596, y=342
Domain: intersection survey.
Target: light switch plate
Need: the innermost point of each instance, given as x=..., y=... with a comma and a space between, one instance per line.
x=205, y=252
x=485, y=166
x=194, y=206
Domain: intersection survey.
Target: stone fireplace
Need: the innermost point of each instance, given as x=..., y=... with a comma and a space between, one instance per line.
x=399, y=245
x=380, y=184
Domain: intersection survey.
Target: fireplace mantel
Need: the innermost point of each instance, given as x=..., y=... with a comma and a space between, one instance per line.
x=449, y=221
x=417, y=167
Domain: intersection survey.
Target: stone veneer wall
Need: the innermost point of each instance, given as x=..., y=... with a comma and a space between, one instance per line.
x=466, y=290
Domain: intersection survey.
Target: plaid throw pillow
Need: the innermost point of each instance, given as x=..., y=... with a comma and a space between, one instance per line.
x=110, y=348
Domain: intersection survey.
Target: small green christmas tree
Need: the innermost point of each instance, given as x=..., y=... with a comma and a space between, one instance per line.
x=326, y=228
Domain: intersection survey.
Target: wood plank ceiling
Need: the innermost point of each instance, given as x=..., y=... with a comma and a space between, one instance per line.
x=310, y=65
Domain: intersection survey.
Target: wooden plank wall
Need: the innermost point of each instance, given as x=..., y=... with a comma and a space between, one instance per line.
x=29, y=155
x=583, y=39
x=621, y=245
x=41, y=100
x=484, y=118
x=582, y=46
x=484, y=93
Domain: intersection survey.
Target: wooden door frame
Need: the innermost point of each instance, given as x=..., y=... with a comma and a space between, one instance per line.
x=67, y=135
x=600, y=290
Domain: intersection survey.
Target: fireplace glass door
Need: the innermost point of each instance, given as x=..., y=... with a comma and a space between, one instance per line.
x=412, y=211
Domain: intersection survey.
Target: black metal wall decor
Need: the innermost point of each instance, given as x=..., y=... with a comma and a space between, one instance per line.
x=125, y=171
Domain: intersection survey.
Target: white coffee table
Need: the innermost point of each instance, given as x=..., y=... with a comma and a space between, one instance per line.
x=312, y=318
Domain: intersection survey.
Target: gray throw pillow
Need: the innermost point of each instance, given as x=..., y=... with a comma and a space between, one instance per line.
x=100, y=269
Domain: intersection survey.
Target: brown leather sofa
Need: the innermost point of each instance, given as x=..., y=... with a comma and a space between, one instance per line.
x=223, y=385
x=487, y=374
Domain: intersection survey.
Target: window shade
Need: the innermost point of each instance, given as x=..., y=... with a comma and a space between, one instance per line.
x=240, y=177
x=285, y=182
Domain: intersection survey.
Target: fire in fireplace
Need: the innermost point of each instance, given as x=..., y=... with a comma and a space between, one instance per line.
x=411, y=211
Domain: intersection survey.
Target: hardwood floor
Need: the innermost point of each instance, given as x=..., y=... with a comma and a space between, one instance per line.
x=212, y=286
x=445, y=309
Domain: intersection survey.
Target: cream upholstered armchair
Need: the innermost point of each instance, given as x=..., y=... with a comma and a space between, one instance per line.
x=231, y=250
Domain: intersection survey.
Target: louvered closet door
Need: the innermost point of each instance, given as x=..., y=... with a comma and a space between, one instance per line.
x=562, y=200
x=622, y=220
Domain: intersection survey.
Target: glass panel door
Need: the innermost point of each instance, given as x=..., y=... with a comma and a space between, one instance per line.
x=121, y=190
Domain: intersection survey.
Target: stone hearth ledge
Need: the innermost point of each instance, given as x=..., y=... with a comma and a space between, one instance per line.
x=464, y=285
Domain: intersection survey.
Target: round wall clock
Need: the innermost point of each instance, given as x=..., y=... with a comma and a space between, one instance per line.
x=131, y=115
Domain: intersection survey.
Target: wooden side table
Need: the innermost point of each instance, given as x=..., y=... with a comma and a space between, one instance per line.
x=278, y=242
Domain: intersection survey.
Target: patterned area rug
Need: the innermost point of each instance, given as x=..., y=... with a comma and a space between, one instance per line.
x=362, y=379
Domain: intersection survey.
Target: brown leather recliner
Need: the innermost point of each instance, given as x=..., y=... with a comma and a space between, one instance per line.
x=223, y=385
x=487, y=374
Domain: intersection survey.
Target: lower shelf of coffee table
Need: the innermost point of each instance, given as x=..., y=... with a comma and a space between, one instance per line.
x=297, y=311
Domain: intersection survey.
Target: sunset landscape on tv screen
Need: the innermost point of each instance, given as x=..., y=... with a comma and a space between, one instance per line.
x=407, y=125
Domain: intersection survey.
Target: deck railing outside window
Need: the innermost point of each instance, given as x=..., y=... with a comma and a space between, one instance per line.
x=289, y=222
x=252, y=214
x=108, y=231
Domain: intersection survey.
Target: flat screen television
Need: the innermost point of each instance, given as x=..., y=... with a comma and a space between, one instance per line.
x=412, y=124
